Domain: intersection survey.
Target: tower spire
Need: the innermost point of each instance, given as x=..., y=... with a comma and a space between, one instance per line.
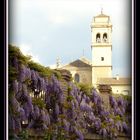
x=57, y=62
x=101, y=10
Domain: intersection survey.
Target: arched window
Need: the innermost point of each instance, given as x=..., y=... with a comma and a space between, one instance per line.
x=105, y=37
x=98, y=37
x=77, y=78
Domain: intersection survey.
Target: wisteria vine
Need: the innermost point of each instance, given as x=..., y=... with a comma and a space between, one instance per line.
x=61, y=109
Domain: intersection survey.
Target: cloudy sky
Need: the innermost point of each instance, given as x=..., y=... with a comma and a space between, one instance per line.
x=47, y=29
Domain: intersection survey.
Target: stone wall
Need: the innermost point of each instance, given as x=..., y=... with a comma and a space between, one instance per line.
x=85, y=73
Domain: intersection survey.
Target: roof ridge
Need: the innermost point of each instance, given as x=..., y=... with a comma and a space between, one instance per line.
x=102, y=15
x=85, y=60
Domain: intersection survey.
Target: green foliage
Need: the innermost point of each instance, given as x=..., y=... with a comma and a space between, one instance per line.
x=69, y=89
x=67, y=105
x=15, y=52
x=70, y=98
x=48, y=135
x=127, y=97
x=12, y=136
x=61, y=135
x=12, y=74
x=43, y=71
x=57, y=74
x=85, y=88
x=24, y=135
x=39, y=102
x=118, y=118
x=26, y=60
x=13, y=112
x=103, y=125
x=62, y=116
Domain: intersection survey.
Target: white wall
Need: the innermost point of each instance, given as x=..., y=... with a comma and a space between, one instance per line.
x=98, y=72
x=121, y=89
x=98, y=52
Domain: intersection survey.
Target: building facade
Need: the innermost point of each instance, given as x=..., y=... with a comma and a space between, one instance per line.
x=81, y=70
x=98, y=72
x=117, y=84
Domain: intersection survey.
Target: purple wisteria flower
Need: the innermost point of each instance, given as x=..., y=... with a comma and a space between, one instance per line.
x=85, y=107
x=119, y=126
x=97, y=123
x=103, y=132
x=79, y=134
x=125, y=127
x=57, y=109
x=15, y=63
x=15, y=87
x=112, y=101
x=22, y=73
x=120, y=101
x=22, y=114
x=66, y=125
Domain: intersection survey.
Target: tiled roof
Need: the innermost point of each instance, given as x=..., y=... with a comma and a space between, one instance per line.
x=85, y=60
x=81, y=62
x=101, y=15
x=114, y=81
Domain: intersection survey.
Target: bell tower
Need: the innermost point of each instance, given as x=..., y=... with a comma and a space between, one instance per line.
x=101, y=45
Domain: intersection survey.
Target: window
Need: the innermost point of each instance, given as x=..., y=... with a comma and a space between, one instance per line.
x=105, y=37
x=77, y=78
x=102, y=58
x=98, y=37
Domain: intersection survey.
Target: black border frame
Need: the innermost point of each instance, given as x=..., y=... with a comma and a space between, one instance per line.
x=3, y=70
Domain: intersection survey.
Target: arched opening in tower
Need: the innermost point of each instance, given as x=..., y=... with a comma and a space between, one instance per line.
x=98, y=39
x=105, y=37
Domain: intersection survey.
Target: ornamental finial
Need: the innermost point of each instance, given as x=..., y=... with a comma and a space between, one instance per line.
x=101, y=10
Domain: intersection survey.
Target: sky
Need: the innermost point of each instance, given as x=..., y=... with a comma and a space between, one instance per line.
x=48, y=29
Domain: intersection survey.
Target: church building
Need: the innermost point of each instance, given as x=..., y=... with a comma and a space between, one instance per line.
x=98, y=72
